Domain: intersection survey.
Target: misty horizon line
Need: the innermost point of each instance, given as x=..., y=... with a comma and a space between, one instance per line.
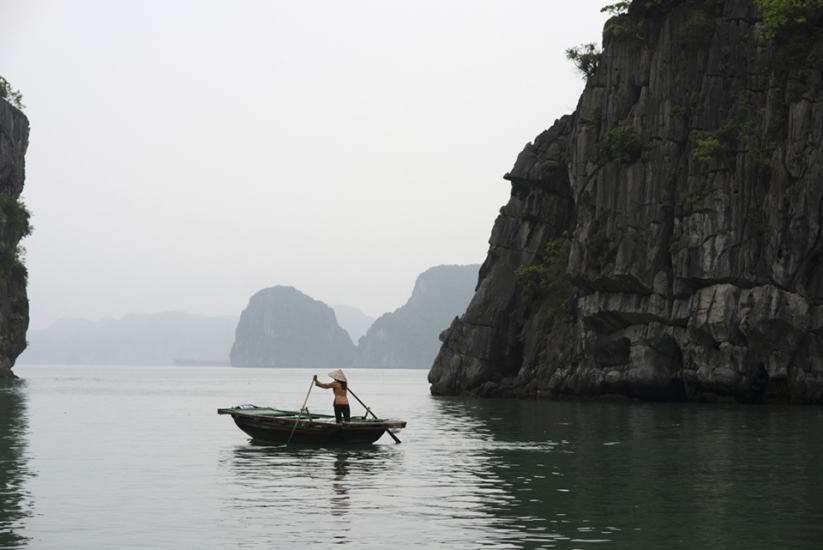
x=213, y=316
x=145, y=314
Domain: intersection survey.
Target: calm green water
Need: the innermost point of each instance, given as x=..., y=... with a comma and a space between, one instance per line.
x=122, y=457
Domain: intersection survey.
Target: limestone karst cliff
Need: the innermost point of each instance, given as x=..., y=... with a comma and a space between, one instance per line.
x=407, y=338
x=664, y=240
x=14, y=225
x=282, y=327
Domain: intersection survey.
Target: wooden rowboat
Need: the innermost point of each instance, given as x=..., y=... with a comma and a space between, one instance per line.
x=274, y=425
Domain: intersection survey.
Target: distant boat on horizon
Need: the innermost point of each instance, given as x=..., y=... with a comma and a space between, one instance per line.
x=202, y=362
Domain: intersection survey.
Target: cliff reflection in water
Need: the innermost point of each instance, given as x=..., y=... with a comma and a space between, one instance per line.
x=528, y=474
x=15, y=502
x=649, y=475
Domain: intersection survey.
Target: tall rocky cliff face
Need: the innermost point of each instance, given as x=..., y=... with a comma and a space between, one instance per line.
x=682, y=203
x=282, y=327
x=14, y=225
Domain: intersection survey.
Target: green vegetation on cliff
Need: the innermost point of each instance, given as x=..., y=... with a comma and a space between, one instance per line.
x=585, y=57
x=16, y=226
x=789, y=16
x=624, y=144
x=547, y=279
x=10, y=94
x=779, y=17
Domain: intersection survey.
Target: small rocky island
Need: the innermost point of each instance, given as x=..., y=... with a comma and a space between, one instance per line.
x=664, y=241
x=14, y=225
x=282, y=327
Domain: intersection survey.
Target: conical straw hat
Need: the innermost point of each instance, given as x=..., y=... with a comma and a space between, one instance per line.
x=338, y=375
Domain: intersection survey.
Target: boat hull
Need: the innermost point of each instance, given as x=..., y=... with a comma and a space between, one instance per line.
x=317, y=429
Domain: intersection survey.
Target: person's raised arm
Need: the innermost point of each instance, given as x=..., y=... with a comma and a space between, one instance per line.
x=321, y=384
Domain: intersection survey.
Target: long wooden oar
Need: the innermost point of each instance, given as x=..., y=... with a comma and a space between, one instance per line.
x=303, y=408
x=368, y=410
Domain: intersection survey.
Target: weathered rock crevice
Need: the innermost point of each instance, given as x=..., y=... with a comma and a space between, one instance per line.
x=689, y=187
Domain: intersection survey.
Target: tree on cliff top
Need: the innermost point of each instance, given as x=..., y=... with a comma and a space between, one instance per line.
x=10, y=94
x=585, y=57
x=776, y=14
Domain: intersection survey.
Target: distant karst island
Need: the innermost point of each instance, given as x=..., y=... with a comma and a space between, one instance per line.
x=168, y=338
x=281, y=327
x=409, y=336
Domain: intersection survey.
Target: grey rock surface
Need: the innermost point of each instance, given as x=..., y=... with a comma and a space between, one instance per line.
x=408, y=338
x=282, y=327
x=14, y=304
x=694, y=253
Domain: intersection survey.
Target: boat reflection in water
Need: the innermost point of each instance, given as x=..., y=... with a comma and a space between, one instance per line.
x=340, y=504
x=15, y=502
x=642, y=475
x=306, y=486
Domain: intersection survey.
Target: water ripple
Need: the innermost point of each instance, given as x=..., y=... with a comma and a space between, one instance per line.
x=137, y=458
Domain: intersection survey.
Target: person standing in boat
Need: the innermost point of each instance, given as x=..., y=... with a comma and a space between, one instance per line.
x=341, y=401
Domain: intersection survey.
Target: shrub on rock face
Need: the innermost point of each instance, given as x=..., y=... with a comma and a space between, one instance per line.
x=14, y=221
x=698, y=29
x=547, y=279
x=722, y=143
x=585, y=57
x=779, y=14
x=709, y=148
x=624, y=144
x=10, y=94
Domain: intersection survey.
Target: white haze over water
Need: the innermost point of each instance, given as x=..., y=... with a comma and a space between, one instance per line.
x=184, y=155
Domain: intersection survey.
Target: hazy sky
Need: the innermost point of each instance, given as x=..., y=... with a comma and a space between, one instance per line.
x=184, y=155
